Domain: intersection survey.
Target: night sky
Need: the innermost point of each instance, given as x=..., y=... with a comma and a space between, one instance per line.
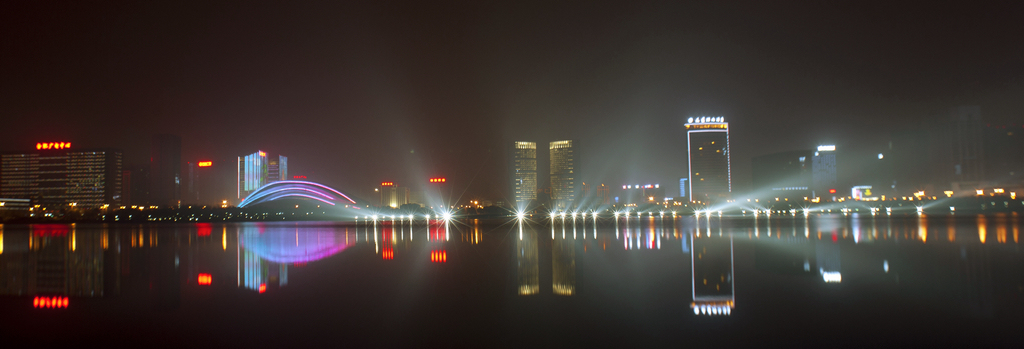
x=359, y=93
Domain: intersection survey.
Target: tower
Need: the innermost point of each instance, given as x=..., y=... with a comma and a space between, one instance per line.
x=564, y=162
x=707, y=141
x=524, y=173
x=165, y=170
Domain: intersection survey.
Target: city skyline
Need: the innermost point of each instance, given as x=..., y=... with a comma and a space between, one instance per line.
x=437, y=85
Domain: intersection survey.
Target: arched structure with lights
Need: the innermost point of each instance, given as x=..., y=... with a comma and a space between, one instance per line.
x=296, y=189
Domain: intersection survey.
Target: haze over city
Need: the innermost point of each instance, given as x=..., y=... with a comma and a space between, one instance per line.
x=359, y=93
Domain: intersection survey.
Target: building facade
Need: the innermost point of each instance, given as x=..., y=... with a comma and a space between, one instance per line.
x=524, y=173
x=165, y=171
x=63, y=177
x=254, y=171
x=786, y=174
x=823, y=170
x=564, y=162
x=392, y=195
x=707, y=140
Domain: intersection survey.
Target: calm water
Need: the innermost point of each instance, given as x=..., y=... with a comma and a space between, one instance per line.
x=824, y=280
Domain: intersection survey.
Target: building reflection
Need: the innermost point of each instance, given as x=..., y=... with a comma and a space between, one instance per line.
x=527, y=265
x=712, y=262
x=55, y=260
x=563, y=266
x=267, y=251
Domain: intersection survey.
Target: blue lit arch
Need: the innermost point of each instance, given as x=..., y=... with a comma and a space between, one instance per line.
x=296, y=189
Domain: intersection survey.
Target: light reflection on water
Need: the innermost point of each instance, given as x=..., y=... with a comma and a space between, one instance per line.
x=700, y=267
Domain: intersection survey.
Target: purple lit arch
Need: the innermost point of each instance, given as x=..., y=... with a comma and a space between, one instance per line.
x=296, y=189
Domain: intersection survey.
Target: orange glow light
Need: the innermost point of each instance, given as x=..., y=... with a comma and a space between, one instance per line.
x=53, y=145
x=387, y=184
x=438, y=180
x=262, y=153
x=205, y=163
x=50, y=302
x=263, y=288
x=205, y=279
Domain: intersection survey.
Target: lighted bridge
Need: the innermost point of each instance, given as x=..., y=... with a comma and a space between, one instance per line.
x=297, y=189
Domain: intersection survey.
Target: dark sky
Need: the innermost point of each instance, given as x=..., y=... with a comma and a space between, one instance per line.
x=356, y=93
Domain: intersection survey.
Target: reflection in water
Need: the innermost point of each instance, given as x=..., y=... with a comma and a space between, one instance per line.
x=712, y=265
x=981, y=228
x=268, y=250
x=527, y=265
x=827, y=256
x=563, y=267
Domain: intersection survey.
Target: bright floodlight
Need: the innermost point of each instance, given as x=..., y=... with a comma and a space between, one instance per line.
x=447, y=216
x=374, y=217
x=520, y=215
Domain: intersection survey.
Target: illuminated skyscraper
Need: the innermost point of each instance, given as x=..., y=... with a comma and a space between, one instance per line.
x=823, y=169
x=564, y=162
x=61, y=176
x=255, y=171
x=707, y=141
x=392, y=195
x=524, y=173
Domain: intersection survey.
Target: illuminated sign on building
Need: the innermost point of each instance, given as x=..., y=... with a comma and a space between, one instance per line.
x=438, y=180
x=861, y=192
x=53, y=145
x=205, y=279
x=388, y=253
x=826, y=148
x=387, y=184
x=706, y=126
x=50, y=302
x=205, y=163
x=298, y=177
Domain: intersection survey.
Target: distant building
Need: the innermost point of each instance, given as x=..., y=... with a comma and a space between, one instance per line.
x=823, y=170
x=524, y=173
x=392, y=195
x=966, y=145
x=564, y=162
x=199, y=183
x=639, y=194
x=604, y=195
x=165, y=171
x=254, y=172
x=707, y=140
x=682, y=188
x=59, y=177
x=785, y=174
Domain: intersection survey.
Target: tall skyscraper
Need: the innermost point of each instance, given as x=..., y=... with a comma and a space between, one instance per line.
x=564, y=162
x=165, y=171
x=966, y=148
x=524, y=173
x=707, y=141
x=254, y=171
x=823, y=169
x=56, y=177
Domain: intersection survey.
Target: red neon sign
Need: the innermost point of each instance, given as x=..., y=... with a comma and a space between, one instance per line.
x=439, y=256
x=438, y=180
x=53, y=145
x=263, y=288
x=298, y=177
x=387, y=184
x=50, y=302
x=831, y=191
x=205, y=279
x=205, y=163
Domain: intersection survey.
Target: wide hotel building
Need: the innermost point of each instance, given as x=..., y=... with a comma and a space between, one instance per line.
x=707, y=141
x=57, y=175
x=257, y=169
